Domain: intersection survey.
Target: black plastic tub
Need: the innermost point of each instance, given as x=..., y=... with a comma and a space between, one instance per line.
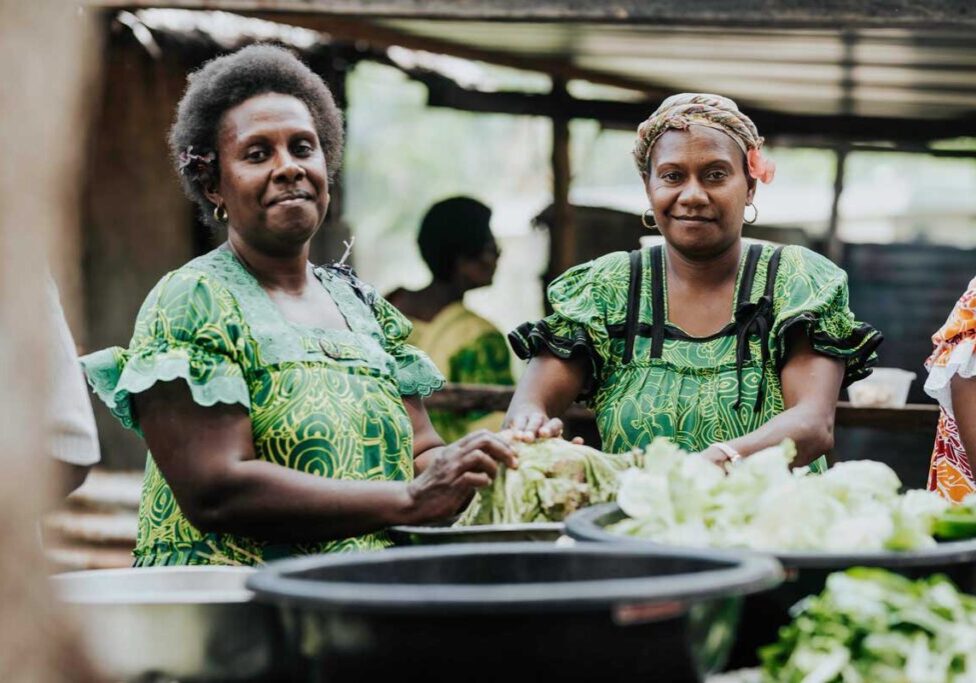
x=513, y=612
x=431, y=534
x=806, y=573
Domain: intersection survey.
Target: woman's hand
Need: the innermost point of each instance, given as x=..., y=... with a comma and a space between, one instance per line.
x=717, y=457
x=453, y=474
x=532, y=424
x=547, y=388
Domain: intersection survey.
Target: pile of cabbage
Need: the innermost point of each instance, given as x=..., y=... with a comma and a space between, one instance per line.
x=762, y=504
x=554, y=479
x=871, y=626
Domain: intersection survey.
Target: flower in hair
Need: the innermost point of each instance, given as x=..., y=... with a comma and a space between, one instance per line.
x=760, y=167
x=193, y=165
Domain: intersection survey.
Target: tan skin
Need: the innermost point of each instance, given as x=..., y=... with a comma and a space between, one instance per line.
x=964, y=410
x=274, y=185
x=698, y=188
x=469, y=273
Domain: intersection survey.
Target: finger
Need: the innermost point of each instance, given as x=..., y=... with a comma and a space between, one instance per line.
x=532, y=425
x=498, y=449
x=578, y=440
x=478, y=461
x=507, y=435
x=468, y=439
x=552, y=428
x=474, y=480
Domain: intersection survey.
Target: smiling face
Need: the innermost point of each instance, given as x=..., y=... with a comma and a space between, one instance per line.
x=273, y=175
x=698, y=189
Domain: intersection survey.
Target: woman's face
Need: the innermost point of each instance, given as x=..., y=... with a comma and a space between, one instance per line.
x=478, y=271
x=698, y=190
x=273, y=176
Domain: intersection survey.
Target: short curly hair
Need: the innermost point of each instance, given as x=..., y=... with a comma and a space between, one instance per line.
x=453, y=229
x=223, y=83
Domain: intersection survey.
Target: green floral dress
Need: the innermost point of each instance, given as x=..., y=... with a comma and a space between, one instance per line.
x=326, y=402
x=650, y=378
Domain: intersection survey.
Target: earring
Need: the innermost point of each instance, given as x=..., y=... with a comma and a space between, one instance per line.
x=648, y=222
x=755, y=215
x=220, y=213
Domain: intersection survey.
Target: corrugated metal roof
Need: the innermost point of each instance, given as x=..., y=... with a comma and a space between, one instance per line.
x=871, y=72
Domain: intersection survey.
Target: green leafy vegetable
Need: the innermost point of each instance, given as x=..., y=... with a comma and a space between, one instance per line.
x=682, y=499
x=871, y=626
x=554, y=479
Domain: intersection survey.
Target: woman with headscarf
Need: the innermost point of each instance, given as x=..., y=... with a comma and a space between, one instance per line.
x=952, y=382
x=281, y=405
x=458, y=247
x=726, y=346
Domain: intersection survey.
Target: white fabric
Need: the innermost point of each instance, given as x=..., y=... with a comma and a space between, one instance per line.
x=962, y=362
x=73, y=437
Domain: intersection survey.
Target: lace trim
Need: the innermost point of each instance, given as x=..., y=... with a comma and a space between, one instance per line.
x=417, y=376
x=857, y=349
x=114, y=379
x=962, y=362
x=528, y=339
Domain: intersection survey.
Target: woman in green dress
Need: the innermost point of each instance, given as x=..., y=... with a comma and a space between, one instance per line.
x=281, y=405
x=726, y=346
x=458, y=247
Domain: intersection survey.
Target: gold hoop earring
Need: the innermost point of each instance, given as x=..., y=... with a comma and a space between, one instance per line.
x=220, y=213
x=648, y=222
x=755, y=215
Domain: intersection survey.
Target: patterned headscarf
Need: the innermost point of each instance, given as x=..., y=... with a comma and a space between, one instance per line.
x=679, y=111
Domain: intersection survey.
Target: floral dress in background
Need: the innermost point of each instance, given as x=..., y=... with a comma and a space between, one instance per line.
x=468, y=350
x=954, y=354
x=325, y=402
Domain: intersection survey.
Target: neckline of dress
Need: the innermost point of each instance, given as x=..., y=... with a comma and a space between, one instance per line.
x=321, y=274
x=740, y=270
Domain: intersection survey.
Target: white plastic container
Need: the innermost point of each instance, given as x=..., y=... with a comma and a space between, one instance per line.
x=884, y=388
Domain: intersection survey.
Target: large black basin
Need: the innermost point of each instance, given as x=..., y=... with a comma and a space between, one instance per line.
x=806, y=573
x=513, y=612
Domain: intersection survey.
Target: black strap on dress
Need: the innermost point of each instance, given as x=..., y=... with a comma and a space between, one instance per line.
x=751, y=317
x=633, y=303
x=755, y=317
x=657, y=301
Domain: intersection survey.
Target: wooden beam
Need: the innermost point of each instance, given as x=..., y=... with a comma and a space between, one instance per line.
x=562, y=236
x=379, y=37
x=913, y=133
x=835, y=246
x=466, y=397
x=835, y=14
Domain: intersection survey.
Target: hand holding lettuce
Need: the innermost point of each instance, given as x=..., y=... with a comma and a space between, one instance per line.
x=554, y=479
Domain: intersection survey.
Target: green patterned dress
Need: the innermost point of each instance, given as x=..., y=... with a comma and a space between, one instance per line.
x=650, y=378
x=326, y=402
x=468, y=350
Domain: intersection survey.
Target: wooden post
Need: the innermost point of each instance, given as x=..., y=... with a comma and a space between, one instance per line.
x=562, y=248
x=835, y=247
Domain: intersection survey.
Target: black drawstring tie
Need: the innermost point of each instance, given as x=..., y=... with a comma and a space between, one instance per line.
x=752, y=318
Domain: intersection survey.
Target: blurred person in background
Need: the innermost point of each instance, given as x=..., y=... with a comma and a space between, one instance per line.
x=458, y=247
x=280, y=401
x=724, y=345
x=952, y=382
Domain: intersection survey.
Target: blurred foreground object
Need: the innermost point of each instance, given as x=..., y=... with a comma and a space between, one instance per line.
x=42, y=135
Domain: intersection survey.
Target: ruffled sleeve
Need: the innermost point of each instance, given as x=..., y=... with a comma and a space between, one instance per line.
x=186, y=329
x=581, y=300
x=416, y=374
x=811, y=294
x=955, y=350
